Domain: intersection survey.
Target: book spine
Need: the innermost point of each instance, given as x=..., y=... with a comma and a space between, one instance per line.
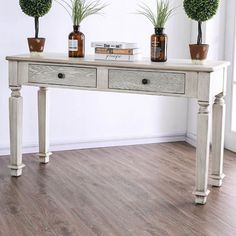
x=106, y=45
x=114, y=45
x=115, y=51
x=115, y=57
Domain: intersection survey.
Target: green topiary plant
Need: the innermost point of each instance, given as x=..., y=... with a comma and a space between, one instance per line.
x=36, y=9
x=200, y=11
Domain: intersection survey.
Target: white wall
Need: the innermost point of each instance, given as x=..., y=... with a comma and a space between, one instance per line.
x=230, y=47
x=87, y=119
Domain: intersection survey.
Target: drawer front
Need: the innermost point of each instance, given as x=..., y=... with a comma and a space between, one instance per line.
x=63, y=75
x=162, y=82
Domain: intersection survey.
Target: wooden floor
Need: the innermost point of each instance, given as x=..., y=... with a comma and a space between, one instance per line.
x=139, y=190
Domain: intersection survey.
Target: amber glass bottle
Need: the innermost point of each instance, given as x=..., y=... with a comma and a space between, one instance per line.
x=159, y=46
x=76, y=43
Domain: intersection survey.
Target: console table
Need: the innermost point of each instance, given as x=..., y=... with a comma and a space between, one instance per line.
x=178, y=78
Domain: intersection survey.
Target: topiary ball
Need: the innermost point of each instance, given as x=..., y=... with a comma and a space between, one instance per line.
x=201, y=10
x=35, y=8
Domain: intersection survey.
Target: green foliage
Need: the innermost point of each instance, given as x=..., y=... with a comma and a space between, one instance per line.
x=201, y=10
x=35, y=8
x=81, y=9
x=159, y=15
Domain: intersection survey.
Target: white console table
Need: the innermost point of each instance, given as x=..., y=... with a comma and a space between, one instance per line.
x=178, y=78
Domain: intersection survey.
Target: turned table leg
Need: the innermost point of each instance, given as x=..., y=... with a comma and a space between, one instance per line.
x=15, y=116
x=43, y=125
x=218, y=121
x=202, y=153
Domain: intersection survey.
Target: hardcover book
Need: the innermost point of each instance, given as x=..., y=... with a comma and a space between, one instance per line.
x=117, y=51
x=109, y=44
x=117, y=57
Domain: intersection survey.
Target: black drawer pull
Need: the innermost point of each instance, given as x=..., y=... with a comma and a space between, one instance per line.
x=61, y=76
x=145, y=81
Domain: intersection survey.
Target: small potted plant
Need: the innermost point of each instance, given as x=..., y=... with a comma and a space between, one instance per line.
x=78, y=11
x=36, y=9
x=200, y=11
x=158, y=17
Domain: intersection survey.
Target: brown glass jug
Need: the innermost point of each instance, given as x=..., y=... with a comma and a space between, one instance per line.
x=159, y=46
x=76, y=43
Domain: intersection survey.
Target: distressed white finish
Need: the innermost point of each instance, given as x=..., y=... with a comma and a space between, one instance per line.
x=43, y=124
x=72, y=76
x=218, y=128
x=13, y=75
x=15, y=109
x=171, y=64
x=164, y=82
x=102, y=78
x=175, y=78
x=202, y=153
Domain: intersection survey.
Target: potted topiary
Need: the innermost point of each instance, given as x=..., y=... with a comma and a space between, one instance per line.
x=200, y=11
x=78, y=11
x=36, y=9
x=158, y=17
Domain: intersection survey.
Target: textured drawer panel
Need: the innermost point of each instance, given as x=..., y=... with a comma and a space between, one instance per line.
x=63, y=75
x=162, y=82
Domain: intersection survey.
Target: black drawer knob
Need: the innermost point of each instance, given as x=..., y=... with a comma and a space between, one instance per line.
x=145, y=81
x=61, y=76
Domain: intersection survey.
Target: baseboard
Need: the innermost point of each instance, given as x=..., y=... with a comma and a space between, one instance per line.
x=97, y=143
x=191, y=139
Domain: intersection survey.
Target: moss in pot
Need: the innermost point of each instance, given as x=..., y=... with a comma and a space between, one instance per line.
x=36, y=9
x=200, y=11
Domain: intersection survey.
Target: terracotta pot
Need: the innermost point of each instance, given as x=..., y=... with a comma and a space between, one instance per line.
x=36, y=44
x=198, y=52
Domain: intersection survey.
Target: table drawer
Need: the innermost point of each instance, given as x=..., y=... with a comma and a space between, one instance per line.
x=63, y=75
x=149, y=81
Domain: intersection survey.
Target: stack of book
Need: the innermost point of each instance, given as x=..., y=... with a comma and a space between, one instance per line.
x=116, y=51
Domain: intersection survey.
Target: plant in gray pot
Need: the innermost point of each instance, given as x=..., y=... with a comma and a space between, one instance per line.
x=200, y=11
x=36, y=9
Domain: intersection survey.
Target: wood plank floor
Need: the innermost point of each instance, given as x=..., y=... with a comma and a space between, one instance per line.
x=139, y=190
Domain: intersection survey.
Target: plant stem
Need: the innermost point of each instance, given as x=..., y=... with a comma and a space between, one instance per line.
x=36, y=22
x=199, y=37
